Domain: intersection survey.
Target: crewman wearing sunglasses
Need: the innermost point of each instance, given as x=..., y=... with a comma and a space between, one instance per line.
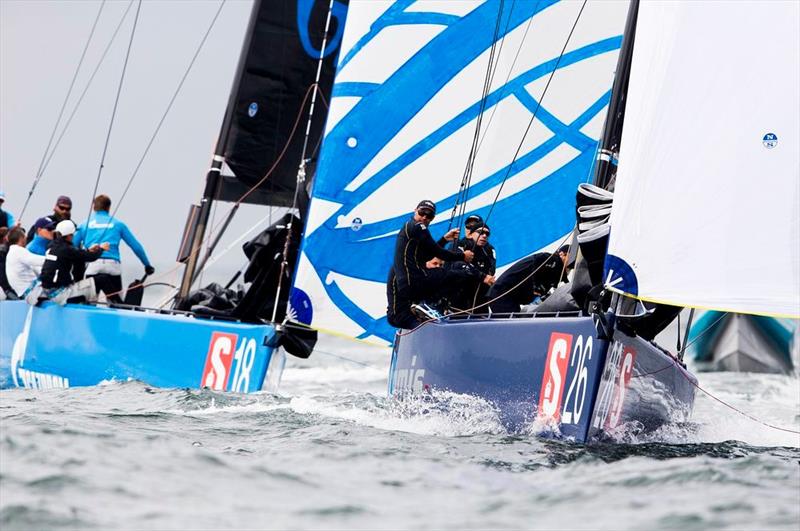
x=409, y=279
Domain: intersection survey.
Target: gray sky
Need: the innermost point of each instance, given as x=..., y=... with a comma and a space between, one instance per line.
x=40, y=46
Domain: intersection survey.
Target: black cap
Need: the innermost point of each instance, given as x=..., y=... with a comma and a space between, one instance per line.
x=564, y=249
x=45, y=223
x=430, y=205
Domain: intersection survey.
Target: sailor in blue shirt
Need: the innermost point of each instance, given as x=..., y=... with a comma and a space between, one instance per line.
x=42, y=232
x=104, y=228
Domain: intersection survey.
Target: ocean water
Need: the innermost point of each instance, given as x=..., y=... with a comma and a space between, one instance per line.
x=331, y=451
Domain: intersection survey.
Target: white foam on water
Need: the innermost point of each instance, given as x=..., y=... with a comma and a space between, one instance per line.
x=445, y=414
x=772, y=399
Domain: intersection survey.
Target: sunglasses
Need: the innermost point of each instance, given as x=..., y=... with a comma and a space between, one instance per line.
x=484, y=232
x=64, y=208
x=426, y=214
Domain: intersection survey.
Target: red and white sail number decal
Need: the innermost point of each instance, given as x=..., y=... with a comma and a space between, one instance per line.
x=219, y=360
x=555, y=375
x=624, y=374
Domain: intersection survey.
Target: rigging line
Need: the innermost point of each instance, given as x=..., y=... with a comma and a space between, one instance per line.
x=459, y=207
x=345, y=358
x=114, y=110
x=86, y=89
x=491, y=70
x=266, y=176
x=682, y=372
x=744, y=414
x=301, y=172
x=535, y=112
x=708, y=328
x=63, y=108
x=169, y=105
x=510, y=71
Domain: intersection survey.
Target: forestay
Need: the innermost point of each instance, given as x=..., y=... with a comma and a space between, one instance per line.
x=405, y=103
x=706, y=201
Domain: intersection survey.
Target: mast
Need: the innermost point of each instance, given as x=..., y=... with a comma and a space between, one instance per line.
x=213, y=175
x=606, y=165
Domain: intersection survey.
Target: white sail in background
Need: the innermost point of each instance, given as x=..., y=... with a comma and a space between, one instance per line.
x=708, y=189
x=402, y=119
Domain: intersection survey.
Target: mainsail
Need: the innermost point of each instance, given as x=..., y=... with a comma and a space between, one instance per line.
x=405, y=104
x=707, y=201
x=266, y=130
x=280, y=67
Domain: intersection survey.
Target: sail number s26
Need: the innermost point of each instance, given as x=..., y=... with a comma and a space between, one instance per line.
x=564, y=358
x=220, y=358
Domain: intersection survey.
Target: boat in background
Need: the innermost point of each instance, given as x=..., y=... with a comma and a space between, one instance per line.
x=288, y=54
x=743, y=343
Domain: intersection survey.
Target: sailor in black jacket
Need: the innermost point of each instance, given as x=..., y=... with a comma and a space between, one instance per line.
x=474, y=293
x=410, y=280
x=535, y=274
x=60, y=258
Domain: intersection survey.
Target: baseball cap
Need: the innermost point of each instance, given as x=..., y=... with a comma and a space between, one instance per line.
x=46, y=223
x=426, y=204
x=65, y=228
x=64, y=200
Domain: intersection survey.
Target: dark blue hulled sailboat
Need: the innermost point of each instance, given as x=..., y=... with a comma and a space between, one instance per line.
x=676, y=235
x=286, y=54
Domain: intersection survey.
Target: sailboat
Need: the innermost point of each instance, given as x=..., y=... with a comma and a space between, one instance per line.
x=704, y=99
x=743, y=343
x=288, y=56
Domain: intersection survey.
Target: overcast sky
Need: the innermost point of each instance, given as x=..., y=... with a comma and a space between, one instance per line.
x=40, y=46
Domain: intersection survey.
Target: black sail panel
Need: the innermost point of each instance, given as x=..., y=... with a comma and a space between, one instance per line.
x=269, y=111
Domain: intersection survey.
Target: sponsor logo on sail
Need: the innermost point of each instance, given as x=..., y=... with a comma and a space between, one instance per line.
x=356, y=224
x=770, y=140
x=218, y=361
x=555, y=375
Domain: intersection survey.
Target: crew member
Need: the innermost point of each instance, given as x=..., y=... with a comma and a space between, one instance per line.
x=56, y=277
x=62, y=210
x=22, y=266
x=409, y=279
x=6, y=291
x=6, y=217
x=107, y=271
x=522, y=282
x=42, y=231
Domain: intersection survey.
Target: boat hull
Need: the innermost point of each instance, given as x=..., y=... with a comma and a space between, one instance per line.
x=79, y=345
x=557, y=372
x=742, y=343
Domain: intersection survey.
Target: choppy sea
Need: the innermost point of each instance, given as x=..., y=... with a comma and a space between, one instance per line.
x=331, y=451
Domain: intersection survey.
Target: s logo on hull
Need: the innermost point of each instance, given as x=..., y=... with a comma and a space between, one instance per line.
x=555, y=375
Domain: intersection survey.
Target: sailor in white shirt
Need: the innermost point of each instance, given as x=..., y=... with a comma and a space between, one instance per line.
x=22, y=266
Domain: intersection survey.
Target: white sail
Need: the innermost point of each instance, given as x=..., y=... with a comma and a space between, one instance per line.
x=708, y=189
x=401, y=123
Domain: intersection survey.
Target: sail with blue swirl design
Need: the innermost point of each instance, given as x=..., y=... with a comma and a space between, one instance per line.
x=405, y=104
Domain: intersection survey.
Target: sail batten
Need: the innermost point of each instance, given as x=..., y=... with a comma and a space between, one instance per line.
x=708, y=189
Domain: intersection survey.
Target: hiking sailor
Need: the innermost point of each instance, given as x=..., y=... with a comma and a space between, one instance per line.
x=106, y=271
x=56, y=277
x=485, y=261
x=409, y=279
x=22, y=266
x=528, y=278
